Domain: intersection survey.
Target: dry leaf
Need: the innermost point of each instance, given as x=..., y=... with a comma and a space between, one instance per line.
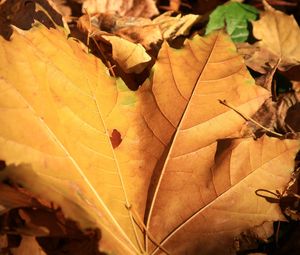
x=275, y=116
x=3, y=242
x=136, y=30
x=277, y=43
x=134, y=8
x=185, y=223
x=201, y=223
x=28, y=245
x=250, y=239
x=172, y=27
x=208, y=221
x=149, y=33
x=25, y=13
x=259, y=59
x=132, y=57
x=13, y=198
x=62, y=7
x=173, y=126
x=49, y=224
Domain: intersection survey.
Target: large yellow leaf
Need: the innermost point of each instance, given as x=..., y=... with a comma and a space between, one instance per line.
x=59, y=107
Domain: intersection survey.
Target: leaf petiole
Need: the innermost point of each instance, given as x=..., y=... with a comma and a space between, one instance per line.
x=249, y=118
x=141, y=224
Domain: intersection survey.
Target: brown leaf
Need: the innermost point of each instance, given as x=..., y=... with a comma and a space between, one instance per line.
x=11, y=198
x=25, y=13
x=194, y=206
x=48, y=225
x=64, y=9
x=149, y=33
x=28, y=245
x=18, y=13
x=229, y=213
x=258, y=58
x=277, y=115
x=250, y=239
x=277, y=43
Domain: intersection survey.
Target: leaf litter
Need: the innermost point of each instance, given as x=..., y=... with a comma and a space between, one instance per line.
x=165, y=169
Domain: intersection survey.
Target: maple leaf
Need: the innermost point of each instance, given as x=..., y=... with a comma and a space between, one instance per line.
x=69, y=137
x=234, y=16
x=188, y=200
x=278, y=46
x=172, y=141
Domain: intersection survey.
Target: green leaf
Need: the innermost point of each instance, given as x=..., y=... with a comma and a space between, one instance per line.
x=235, y=17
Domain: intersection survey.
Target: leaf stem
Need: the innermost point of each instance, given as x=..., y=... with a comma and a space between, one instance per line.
x=223, y=102
x=143, y=226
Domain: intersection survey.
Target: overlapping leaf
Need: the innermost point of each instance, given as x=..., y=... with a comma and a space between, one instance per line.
x=191, y=189
x=130, y=56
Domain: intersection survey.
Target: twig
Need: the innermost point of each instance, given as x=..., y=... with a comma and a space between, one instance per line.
x=281, y=3
x=248, y=118
x=91, y=35
x=109, y=65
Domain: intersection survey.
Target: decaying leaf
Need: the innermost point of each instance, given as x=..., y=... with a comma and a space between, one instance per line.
x=250, y=239
x=25, y=13
x=11, y=198
x=34, y=223
x=62, y=7
x=172, y=27
x=259, y=59
x=28, y=245
x=272, y=115
x=149, y=33
x=17, y=13
x=134, y=8
x=277, y=43
x=174, y=142
x=235, y=17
